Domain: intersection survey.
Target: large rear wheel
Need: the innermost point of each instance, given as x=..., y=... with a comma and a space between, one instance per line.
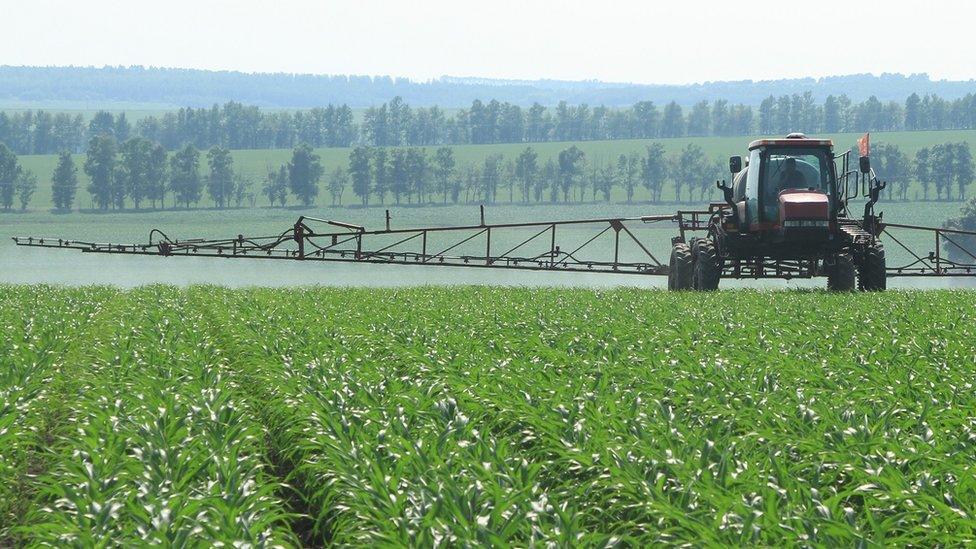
x=708, y=266
x=872, y=276
x=680, y=268
x=841, y=276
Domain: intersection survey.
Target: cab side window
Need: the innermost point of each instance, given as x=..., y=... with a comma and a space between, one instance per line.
x=752, y=188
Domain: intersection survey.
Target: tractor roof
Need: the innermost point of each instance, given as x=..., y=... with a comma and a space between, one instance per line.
x=791, y=140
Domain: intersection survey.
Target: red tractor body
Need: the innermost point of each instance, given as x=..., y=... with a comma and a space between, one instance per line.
x=784, y=216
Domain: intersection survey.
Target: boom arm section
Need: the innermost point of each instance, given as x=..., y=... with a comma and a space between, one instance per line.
x=574, y=245
x=620, y=245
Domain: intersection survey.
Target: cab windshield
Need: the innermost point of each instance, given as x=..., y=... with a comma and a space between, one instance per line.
x=794, y=168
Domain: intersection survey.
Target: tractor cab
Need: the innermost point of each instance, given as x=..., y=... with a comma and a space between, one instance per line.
x=787, y=188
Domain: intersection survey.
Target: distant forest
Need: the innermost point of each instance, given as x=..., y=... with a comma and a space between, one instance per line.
x=138, y=173
x=397, y=123
x=200, y=88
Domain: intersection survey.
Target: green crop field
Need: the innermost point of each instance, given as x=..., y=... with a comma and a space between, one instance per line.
x=256, y=163
x=477, y=416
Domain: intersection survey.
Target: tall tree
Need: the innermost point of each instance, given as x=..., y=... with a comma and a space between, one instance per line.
x=767, y=116
x=571, y=162
x=220, y=180
x=491, y=174
x=963, y=158
x=526, y=171
x=276, y=186
x=156, y=184
x=690, y=170
x=654, y=170
x=64, y=182
x=645, y=120
x=382, y=174
x=673, y=124
x=132, y=171
x=399, y=182
x=700, y=119
x=360, y=172
x=443, y=167
x=942, y=169
x=185, y=176
x=243, y=190
x=304, y=172
x=338, y=180
x=100, y=167
x=921, y=170
x=9, y=170
x=832, y=120
x=102, y=124
x=626, y=176
x=603, y=179
x=417, y=173
x=25, y=186
x=893, y=167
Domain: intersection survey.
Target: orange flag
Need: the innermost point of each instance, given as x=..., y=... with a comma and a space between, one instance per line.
x=864, y=145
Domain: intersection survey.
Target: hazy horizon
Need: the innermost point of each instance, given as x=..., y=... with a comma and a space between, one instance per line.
x=476, y=78
x=623, y=42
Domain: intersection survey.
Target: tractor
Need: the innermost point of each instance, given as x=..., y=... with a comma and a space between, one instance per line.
x=786, y=215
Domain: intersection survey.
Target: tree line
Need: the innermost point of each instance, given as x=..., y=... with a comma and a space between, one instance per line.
x=412, y=175
x=395, y=123
x=138, y=173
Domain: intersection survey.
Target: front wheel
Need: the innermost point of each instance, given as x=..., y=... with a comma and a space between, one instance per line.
x=841, y=275
x=708, y=266
x=872, y=276
x=680, y=268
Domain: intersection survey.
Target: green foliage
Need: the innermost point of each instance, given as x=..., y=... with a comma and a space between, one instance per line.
x=304, y=171
x=444, y=171
x=276, y=186
x=338, y=181
x=185, y=176
x=658, y=189
x=25, y=187
x=9, y=171
x=133, y=171
x=359, y=171
x=156, y=177
x=892, y=166
x=64, y=182
x=654, y=171
x=571, y=162
x=526, y=172
x=477, y=416
x=100, y=166
x=220, y=181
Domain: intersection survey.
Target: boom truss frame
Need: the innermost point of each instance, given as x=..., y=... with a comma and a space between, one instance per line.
x=349, y=243
x=345, y=242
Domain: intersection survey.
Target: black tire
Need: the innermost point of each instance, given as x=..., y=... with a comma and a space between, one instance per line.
x=872, y=276
x=842, y=276
x=680, y=268
x=708, y=267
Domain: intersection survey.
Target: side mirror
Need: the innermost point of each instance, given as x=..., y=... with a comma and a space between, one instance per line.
x=735, y=164
x=865, y=164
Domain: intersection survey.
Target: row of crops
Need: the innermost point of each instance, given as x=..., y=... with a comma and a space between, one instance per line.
x=485, y=416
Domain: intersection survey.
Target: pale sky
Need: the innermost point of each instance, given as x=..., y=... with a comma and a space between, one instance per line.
x=678, y=41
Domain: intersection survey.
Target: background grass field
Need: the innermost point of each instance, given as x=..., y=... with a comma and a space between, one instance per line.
x=255, y=163
x=21, y=265
x=486, y=416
